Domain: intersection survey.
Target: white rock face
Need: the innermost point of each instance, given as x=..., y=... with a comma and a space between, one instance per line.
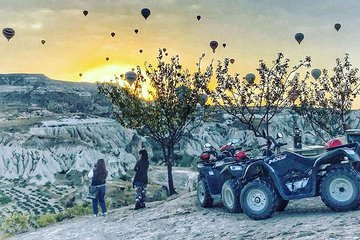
x=64, y=146
x=49, y=127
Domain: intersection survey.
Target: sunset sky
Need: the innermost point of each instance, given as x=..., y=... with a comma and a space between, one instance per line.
x=252, y=30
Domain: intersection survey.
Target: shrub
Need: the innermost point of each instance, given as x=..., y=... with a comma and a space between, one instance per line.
x=16, y=223
x=4, y=199
x=45, y=220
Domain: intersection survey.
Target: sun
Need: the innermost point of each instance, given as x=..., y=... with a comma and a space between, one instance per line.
x=105, y=73
x=108, y=73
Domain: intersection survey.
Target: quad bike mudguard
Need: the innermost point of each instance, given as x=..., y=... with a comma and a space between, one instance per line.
x=213, y=180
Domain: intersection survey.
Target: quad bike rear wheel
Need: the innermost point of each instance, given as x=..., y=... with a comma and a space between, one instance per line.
x=203, y=194
x=230, y=195
x=259, y=199
x=340, y=189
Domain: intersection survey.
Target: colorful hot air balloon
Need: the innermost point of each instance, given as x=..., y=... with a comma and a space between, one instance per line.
x=145, y=12
x=316, y=73
x=130, y=77
x=136, y=31
x=337, y=26
x=224, y=45
x=250, y=77
x=112, y=34
x=43, y=42
x=198, y=17
x=232, y=61
x=8, y=33
x=85, y=12
x=107, y=59
x=299, y=37
x=214, y=45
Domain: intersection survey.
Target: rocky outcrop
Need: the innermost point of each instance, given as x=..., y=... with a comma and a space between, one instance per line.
x=49, y=127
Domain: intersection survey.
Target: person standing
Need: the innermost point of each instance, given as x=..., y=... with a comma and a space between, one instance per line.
x=98, y=175
x=141, y=179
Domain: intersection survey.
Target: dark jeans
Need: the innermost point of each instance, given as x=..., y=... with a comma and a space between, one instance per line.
x=100, y=198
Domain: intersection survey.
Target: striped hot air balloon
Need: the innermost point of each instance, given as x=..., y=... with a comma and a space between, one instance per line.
x=8, y=33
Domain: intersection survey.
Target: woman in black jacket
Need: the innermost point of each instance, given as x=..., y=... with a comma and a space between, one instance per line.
x=141, y=179
x=99, y=174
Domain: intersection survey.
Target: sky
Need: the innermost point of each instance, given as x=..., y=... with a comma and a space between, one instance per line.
x=251, y=29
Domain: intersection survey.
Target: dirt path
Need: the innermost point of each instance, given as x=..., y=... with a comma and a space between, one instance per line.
x=182, y=218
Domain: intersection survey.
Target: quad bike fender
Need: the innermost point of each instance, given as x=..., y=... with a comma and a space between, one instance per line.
x=260, y=168
x=212, y=180
x=338, y=155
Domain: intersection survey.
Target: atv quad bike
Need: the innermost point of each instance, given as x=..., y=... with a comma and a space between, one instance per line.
x=270, y=183
x=218, y=178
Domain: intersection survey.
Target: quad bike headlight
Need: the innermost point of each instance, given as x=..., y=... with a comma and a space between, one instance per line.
x=236, y=168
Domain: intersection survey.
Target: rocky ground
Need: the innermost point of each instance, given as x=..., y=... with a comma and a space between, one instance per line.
x=181, y=218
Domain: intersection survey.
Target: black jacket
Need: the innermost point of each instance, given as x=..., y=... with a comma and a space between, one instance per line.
x=141, y=169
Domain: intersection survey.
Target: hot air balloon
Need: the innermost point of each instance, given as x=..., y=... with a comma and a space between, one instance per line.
x=145, y=12
x=136, y=31
x=130, y=77
x=113, y=34
x=107, y=59
x=8, y=33
x=43, y=42
x=214, y=45
x=250, y=77
x=316, y=73
x=203, y=99
x=224, y=45
x=80, y=74
x=166, y=54
x=140, y=50
x=164, y=49
x=299, y=37
x=198, y=17
x=337, y=26
x=85, y=12
x=232, y=61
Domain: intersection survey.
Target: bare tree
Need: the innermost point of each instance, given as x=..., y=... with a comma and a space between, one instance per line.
x=176, y=108
x=326, y=103
x=254, y=103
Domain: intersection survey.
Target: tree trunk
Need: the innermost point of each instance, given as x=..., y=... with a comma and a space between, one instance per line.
x=168, y=155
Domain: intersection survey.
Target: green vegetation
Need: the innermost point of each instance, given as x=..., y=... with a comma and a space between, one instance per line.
x=19, y=223
x=4, y=199
x=15, y=224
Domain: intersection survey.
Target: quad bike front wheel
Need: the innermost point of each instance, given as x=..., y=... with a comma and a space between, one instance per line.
x=340, y=189
x=203, y=194
x=258, y=199
x=230, y=195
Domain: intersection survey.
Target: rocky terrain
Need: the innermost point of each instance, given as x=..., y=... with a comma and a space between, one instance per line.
x=52, y=132
x=49, y=127
x=181, y=218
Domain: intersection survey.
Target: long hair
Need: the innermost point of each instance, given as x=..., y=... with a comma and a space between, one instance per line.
x=100, y=170
x=144, y=155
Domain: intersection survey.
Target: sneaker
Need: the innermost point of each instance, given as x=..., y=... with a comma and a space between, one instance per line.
x=95, y=215
x=104, y=214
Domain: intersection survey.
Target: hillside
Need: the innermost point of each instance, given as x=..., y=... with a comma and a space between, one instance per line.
x=181, y=218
